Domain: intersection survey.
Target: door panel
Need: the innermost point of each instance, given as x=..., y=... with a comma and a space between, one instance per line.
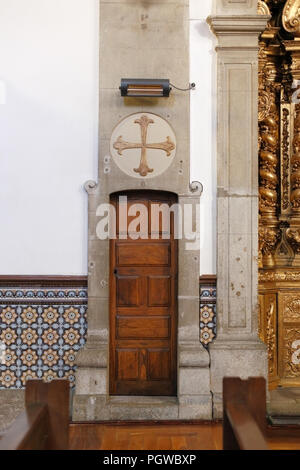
x=135, y=327
x=128, y=291
x=159, y=364
x=127, y=364
x=143, y=254
x=143, y=304
x=159, y=290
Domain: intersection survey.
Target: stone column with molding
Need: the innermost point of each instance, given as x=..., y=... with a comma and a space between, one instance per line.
x=237, y=350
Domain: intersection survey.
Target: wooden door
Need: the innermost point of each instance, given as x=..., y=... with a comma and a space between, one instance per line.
x=143, y=306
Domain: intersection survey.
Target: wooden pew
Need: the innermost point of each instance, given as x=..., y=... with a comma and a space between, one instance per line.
x=244, y=414
x=44, y=425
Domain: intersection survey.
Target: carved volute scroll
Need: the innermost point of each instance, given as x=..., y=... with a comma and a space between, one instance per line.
x=291, y=17
x=262, y=8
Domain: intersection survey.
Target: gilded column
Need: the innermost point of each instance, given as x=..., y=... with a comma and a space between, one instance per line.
x=268, y=117
x=270, y=77
x=291, y=23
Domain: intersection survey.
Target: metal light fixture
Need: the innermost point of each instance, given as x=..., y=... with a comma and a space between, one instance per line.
x=145, y=88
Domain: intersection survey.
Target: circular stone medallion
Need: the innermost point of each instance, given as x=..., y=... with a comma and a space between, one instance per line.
x=143, y=145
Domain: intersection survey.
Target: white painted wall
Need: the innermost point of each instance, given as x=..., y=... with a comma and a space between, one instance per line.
x=48, y=133
x=49, y=127
x=203, y=126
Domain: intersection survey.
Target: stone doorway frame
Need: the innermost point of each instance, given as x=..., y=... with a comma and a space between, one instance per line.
x=92, y=400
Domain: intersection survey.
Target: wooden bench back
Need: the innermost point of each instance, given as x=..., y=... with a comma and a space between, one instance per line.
x=244, y=415
x=44, y=424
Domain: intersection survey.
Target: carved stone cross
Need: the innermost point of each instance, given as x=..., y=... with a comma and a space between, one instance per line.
x=120, y=145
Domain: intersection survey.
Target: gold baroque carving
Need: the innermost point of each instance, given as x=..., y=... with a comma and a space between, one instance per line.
x=293, y=233
x=268, y=238
x=293, y=236
x=268, y=159
x=284, y=253
x=271, y=276
x=270, y=336
x=285, y=159
x=268, y=156
x=262, y=8
x=291, y=17
x=295, y=162
x=264, y=105
x=291, y=311
x=291, y=367
x=269, y=131
x=279, y=188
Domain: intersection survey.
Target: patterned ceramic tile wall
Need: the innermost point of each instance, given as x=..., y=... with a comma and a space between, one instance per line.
x=41, y=331
x=42, y=327
x=208, y=313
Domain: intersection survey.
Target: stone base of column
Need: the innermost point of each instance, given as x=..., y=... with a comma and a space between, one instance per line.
x=127, y=408
x=194, y=395
x=90, y=408
x=92, y=402
x=12, y=403
x=235, y=358
x=283, y=403
x=91, y=382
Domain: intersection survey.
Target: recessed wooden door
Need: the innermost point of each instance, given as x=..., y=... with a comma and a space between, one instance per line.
x=143, y=306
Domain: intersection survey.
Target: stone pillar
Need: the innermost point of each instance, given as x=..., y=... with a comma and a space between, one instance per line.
x=237, y=350
x=148, y=39
x=194, y=398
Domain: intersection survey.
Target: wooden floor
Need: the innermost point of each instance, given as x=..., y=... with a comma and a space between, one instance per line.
x=281, y=442
x=177, y=436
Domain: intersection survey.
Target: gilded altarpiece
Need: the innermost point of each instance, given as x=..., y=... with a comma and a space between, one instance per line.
x=279, y=190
